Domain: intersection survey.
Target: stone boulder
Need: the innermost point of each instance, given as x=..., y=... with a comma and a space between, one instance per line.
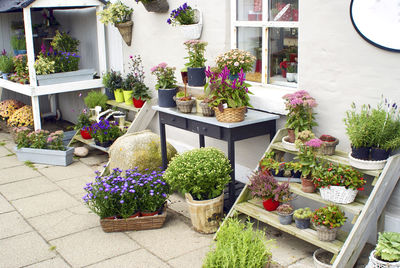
x=81, y=151
x=140, y=149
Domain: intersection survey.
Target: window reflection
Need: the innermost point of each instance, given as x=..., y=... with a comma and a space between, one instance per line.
x=284, y=10
x=250, y=39
x=249, y=10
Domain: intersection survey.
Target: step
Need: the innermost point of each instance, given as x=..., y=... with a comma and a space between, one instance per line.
x=122, y=105
x=90, y=142
x=272, y=219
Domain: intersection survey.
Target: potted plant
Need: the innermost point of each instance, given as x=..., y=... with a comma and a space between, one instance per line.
x=322, y=258
x=185, y=17
x=302, y=217
x=274, y=167
x=23, y=117
x=118, y=198
x=230, y=98
x=95, y=98
x=233, y=239
x=201, y=174
x=18, y=44
x=128, y=85
x=21, y=74
x=83, y=124
x=166, y=84
x=119, y=95
x=308, y=160
x=158, y=6
x=111, y=81
x=339, y=184
x=285, y=212
x=263, y=185
x=328, y=144
x=140, y=90
x=120, y=15
x=236, y=60
x=300, y=114
x=291, y=72
x=104, y=132
x=7, y=109
x=327, y=220
x=387, y=251
x=43, y=147
x=294, y=168
x=196, y=65
x=6, y=65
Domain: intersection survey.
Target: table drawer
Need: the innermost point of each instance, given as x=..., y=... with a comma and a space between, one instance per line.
x=205, y=129
x=173, y=120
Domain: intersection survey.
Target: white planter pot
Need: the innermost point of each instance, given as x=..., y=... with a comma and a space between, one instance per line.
x=290, y=77
x=317, y=263
x=375, y=263
x=193, y=31
x=45, y=156
x=50, y=79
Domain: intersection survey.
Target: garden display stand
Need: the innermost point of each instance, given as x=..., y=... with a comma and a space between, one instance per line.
x=143, y=117
x=366, y=209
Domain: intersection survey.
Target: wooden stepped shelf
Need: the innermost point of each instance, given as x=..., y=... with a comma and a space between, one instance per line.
x=90, y=142
x=123, y=105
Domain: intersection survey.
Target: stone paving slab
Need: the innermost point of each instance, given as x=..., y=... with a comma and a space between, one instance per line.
x=18, y=173
x=178, y=204
x=11, y=224
x=23, y=250
x=75, y=186
x=92, y=246
x=44, y=203
x=26, y=188
x=4, y=151
x=5, y=206
x=139, y=259
x=64, y=222
x=52, y=263
x=187, y=260
x=94, y=159
x=178, y=238
x=10, y=161
x=58, y=173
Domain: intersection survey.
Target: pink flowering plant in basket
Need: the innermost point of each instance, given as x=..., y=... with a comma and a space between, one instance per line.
x=300, y=114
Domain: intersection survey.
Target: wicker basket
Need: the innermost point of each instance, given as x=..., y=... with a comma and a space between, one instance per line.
x=134, y=224
x=338, y=194
x=326, y=234
x=375, y=263
x=185, y=106
x=230, y=115
x=206, y=110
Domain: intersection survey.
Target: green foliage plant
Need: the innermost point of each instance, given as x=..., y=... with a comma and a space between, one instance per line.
x=96, y=98
x=18, y=42
x=83, y=120
x=112, y=80
x=329, y=216
x=196, y=50
x=129, y=82
x=165, y=76
x=63, y=42
x=44, y=65
x=202, y=172
x=359, y=127
x=303, y=213
x=115, y=13
x=308, y=156
x=21, y=65
x=263, y=185
x=6, y=63
x=388, y=247
x=239, y=245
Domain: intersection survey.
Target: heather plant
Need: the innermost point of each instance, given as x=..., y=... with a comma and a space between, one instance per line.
x=236, y=60
x=183, y=15
x=196, y=50
x=263, y=185
x=329, y=216
x=165, y=76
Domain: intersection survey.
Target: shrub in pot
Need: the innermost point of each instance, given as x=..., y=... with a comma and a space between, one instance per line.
x=387, y=251
x=196, y=65
x=239, y=245
x=327, y=220
x=285, y=212
x=112, y=80
x=166, y=84
x=96, y=98
x=263, y=185
x=302, y=217
x=201, y=174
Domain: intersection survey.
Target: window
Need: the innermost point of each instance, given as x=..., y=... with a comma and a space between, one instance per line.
x=269, y=30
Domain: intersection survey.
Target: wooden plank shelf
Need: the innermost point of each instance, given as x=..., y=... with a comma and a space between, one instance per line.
x=272, y=219
x=123, y=105
x=90, y=142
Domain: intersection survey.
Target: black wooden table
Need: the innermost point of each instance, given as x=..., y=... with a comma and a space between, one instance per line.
x=255, y=124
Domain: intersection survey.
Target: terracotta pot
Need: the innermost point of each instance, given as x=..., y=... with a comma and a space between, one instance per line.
x=270, y=204
x=137, y=214
x=147, y=214
x=138, y=103
x=307, y=185
x=85, y=134
x=291, y=135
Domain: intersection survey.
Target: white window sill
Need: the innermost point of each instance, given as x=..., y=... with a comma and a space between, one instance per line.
x=269, y=98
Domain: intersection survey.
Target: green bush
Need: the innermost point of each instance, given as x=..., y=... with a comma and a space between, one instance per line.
x=18, y=42
x=112, y=80
x=96, y=98
x=6, y=64
x=239, y=246
x=202, y=172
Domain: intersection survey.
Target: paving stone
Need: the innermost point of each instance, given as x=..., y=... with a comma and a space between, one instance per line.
x=12, y=223
x=44, y=203
x=178, y=204
x=9, y=161
x=5, y=136
x=178, y=238
x=4, y=205
x=75, y=186
x=64, y=222
x=4, y=151
x=23, y=250
x=18, y=173
x=93, y=160
x=306, y=262
x=76, y=169
x=187, y=260
x=139, y=259
x=92, y=246
x=29, y=187
x=52, y=263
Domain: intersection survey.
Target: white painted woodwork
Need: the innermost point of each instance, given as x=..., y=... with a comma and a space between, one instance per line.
x=101, y=43
x=29, y=45
x=64, y=3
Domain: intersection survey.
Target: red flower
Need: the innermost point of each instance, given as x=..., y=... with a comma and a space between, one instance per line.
x=361, y=189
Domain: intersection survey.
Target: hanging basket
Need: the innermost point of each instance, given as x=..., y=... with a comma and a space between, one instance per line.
x=158, y=6
x=338, y=194
x=125, y=29
x=193, y=31
x=230, y=115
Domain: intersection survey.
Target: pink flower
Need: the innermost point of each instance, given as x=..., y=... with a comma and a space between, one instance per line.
x=131, y=57
x=316, y=143
x=162, y=65
x=295, y=102
x=154, y=69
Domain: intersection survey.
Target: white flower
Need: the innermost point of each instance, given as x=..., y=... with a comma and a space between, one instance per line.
x=236, y=63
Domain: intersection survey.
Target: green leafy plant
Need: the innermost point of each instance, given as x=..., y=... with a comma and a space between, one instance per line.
x=308, y=156
x=63, y=42
x=112, y=80
x=96, y=98
x=285, y=209
x=18, y=42
x=129, y=82
x=83, y=120
x=141, y=91
x=21, y=65
x=236, y=60
x=6, y=64
x=40, y=139
x=196, y=50
x=239, y=245
x=302, y=213
x=44, y=65
x=104, y=130
x=165, y=76
x=388, y=247
x=202, y=172
x=263, y=185
x=359, y=127
x=115, y=13
x=268, y=162
x=291, y=68
x=330, y=216
x=183, y=15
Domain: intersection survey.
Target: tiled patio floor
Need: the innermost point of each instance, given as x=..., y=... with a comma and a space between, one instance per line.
x=44, y=223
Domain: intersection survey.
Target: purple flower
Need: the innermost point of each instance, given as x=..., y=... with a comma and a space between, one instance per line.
x=122, y=201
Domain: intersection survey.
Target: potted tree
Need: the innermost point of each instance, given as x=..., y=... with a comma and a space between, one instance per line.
x=302, y=217
x=263, y=185
x=236, y=60
x=166, y=84
x=387, y=251
x=120, y=15
x=112, y=80
x=201, y=174
x=285, y=212
x=158, y=6
x=327, y=220
x=189, y=20
x=6, y=65
x=196, y=65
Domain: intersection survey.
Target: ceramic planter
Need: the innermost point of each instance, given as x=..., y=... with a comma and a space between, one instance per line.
x=307, y=185
x=290, y=77
x=302, y=223
x=285, y=219
x=104, y=144
x=375, y=263
x=110, y=93
x=45, y=156
x=193, y=31
x=196, y=76
x=50, y=79
x=128, y=97
x=119, y=96
x=158, y=6
x=165, y=97
x=85, y=134
x=318, y=255
x=291, y=135
x=138, y=103
x=360, y=153
x=270, y=204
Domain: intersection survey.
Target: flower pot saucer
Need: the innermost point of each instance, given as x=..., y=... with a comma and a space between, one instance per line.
x=288, y=145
